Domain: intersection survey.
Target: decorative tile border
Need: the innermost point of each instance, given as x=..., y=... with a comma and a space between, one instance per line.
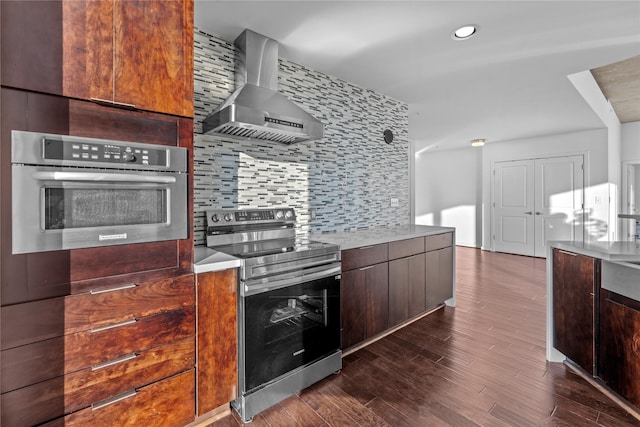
x=349, y=176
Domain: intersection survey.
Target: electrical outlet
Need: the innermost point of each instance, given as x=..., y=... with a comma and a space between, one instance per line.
x=395, y=202
x=312, y=214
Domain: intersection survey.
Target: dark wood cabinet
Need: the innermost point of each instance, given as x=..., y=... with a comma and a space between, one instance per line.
x=576, y=279
x=618, y=361
x=364, y=293
x=407, y=291
x=217, y=370
x=61, y=355
x=28, y=277
x=129, y=53
x=439, y=276
x=387, y=284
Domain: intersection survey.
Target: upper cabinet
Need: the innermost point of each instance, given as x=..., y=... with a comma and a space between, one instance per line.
x=129, y=53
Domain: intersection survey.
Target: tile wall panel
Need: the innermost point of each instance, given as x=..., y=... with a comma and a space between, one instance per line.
x=348, y=177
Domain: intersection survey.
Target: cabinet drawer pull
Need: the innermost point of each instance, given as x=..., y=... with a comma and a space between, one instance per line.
x=113, y=103
x=113, y=399
x=366, y=247
x=567, y=253
x=113, y=325
x=116, y=288
x=367, y=267
x=114, y=361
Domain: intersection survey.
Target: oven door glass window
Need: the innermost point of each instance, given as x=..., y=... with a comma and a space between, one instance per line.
x=66, y=208
x=290, y=327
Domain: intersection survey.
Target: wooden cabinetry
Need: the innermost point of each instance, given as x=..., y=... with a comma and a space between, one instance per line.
x=407, y=272
x=618, y=359
x=439, y=267
x=387, y=284
x=136, y=53
x=61, y=355
x=364, y=293
x=576, y=279
x=27, y=277
x=217, y=369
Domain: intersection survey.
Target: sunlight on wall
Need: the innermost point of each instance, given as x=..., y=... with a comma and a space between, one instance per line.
x=463, y=218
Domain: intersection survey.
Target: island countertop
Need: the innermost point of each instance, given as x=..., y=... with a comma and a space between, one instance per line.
x=379, y=235
x=608, y=251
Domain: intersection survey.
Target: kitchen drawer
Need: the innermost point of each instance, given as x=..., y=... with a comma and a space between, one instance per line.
x=438, y=241
x=406, y=248
x=364, y=256
x=54, y=398
x=62, y=355
x=167, y=403
x=39, y=320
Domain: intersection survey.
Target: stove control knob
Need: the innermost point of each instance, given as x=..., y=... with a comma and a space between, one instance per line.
x=288, y=214
x=227, y=217
x=278, y=214
x=215, y=218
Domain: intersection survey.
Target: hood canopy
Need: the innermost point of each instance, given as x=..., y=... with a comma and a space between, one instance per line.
x=256, y=109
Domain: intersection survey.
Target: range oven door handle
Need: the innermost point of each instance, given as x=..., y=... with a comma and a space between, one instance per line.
x=261, y=285
x=101, y=176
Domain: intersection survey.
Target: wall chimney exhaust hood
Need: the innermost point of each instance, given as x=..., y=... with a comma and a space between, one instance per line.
x=256, y=109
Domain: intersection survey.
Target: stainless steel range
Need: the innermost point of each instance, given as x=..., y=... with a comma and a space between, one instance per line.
x=288, y=305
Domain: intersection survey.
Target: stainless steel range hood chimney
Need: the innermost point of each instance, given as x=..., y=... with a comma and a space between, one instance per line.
x=256, y=109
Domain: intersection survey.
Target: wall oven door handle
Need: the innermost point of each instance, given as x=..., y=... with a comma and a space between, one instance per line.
x=101, y=176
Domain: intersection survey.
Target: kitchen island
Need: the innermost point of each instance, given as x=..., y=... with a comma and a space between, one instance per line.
x=392, y=276
x=593, y=313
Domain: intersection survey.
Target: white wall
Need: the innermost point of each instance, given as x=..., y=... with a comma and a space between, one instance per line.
x=448, y=192
x=631, y=141
x=592, y=144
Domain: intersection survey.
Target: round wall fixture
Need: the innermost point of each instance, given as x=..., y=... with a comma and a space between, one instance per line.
x=388, y=136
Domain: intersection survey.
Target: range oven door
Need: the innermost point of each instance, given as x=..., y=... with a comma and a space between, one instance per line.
x=287, y=328
x=57, y=208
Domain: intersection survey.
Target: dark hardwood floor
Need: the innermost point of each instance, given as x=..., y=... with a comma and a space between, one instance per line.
x=481, y=363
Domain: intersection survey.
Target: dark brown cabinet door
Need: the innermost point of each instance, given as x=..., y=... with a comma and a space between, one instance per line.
x=619, y=345
x=398, y=291
x=377, y=298
x=417, y=284
x=134, y=52
x=352, y=301
x=217, y=368
x=407, y=288
x=153, y=55
x=439, y=272
x=575, y=281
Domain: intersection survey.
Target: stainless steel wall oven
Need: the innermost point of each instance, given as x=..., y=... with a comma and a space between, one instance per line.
x=289, y=305
x=71, y=192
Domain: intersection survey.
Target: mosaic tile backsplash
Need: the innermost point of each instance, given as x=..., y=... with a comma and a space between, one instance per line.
x=348, y=178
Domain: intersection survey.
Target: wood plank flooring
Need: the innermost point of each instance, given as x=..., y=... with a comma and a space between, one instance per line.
x=481, y=363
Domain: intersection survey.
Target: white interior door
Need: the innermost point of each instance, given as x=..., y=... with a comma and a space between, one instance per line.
x=513, y=207
x=559, y=198
x=535, y=201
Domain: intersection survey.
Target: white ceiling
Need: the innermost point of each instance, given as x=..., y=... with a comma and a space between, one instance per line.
x=507, y=82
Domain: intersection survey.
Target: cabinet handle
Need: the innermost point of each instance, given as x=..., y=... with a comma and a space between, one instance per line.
x=366, y=247
x=112, y=400
x=367, y=267
x=113, y=325
x=113, y=103
x=114, y=361
x=116, y=288
x=567, y=253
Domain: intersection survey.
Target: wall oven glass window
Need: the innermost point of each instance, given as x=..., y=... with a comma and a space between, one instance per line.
x=70, y=192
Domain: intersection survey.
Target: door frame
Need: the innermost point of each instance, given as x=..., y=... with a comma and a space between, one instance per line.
x=625, y=199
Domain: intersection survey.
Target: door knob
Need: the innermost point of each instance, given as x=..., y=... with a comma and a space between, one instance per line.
x=528, y=213
x=538, y=213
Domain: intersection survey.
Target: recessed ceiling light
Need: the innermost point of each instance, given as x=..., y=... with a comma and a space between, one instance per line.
x=464, y=32
x=477, y=142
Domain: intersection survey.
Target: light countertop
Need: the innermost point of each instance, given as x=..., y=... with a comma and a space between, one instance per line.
x=609, y=251
x=378, y=235
x=207, y=260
